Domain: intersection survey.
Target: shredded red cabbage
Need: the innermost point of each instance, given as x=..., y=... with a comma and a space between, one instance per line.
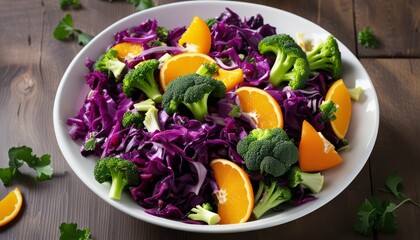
x=173, y=163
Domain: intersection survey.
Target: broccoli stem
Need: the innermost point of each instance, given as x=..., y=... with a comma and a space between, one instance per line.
x=151, y=90
x=270, y=198
x=281, y=65
x=117, y=185
x=199, y=108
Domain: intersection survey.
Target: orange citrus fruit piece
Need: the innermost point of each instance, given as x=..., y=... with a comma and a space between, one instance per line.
x=10, y=206
x=197, y=37
x=235, y=195
x=181, y=64
x=128, y=51
x=263, y=109
x=230, y=78
x=316, y=153
x=339, y=94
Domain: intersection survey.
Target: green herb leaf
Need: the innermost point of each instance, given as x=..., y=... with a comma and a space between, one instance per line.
x=18, y=156
x=65, y=4
x=366, y=38
x=367, y=213
x=387, y=221
x=64, y=29
x=142, y=4
x=69, y=231
x=7, y=175
x=83, y=38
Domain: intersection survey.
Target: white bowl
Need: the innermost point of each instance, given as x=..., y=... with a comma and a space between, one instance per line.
x=362, y=132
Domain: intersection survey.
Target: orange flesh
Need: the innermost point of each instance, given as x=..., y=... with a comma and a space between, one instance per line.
x=315, y=152
x=339, y=94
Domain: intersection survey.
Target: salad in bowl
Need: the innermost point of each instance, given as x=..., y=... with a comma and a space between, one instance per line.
x=222, y=121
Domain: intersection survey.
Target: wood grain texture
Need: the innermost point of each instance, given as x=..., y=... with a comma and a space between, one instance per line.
x=395, y=23
x=32, y=63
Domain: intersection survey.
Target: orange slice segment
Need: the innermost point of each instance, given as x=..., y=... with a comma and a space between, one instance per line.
x=260, y=106
x=181, y=64
x=316, y=153
x=339, y=94
x=10, y=206
x=235, y=196
x=128, y=51
x=197, y=37
x=230, y=78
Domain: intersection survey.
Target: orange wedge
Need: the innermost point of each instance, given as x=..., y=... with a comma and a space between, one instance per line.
x=230, y=78
x=339, y=94
x=197, y=37
x=316, y=153
x=181, y=64
x=263, y=109
x=10, y=206
x=235, y=196
x=128, y=51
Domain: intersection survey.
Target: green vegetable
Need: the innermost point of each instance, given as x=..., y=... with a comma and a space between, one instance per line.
x=268, y=196
x=144, y=105
x=90, y=143
x=375, y=215
x=290, y=65
x=235, y=112
x=355, y=93
x=108, y=63
x=65, y=4
x=193, y=91
x=151, y=120
x=366, y=38
x=311, y=181
x=328, y=109
x=204, y=213
x=69, y=231
x=208, y=69
x=143, y=78
x=65, y=30
x=121, y=173
x=326, y=56
x=132, y=118
x=210, y=22
x=142, y=4
x=268, y=151
x=18, y=156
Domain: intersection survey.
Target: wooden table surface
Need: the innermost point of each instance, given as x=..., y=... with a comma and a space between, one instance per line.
x=32, y=63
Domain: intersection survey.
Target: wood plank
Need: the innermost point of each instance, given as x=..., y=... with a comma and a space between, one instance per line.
x=395, y=23
x=397, y=86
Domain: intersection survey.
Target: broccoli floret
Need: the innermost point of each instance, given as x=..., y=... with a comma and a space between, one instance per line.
x=326, y=56
x=151, y=120
x=131, y=118
x=311, y=181
x=268, y=151
x=290, y=65
x=121, y=173
x=328, y=109
x=109, y=63
x=193, y=91
x=355, y=93
x=208, y=69
x=210, y=22
x=204, y=213
x=144, y=105
x=268, y=196
x=143, y=78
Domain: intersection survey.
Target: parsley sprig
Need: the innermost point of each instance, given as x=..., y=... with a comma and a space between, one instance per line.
x=66, y=30
x=366, y=38
x=375, y=215
x=69, y=231
x=18, y=156
x=65, y=4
